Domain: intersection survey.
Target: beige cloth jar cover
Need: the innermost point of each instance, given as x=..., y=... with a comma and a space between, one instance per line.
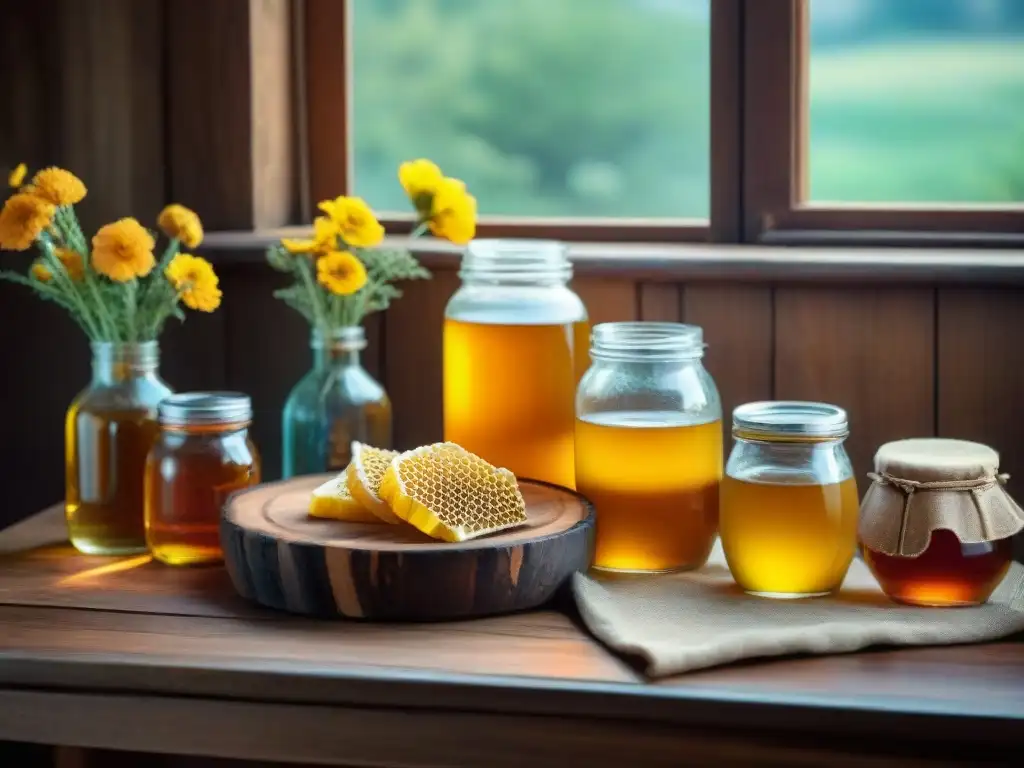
x=926, y=484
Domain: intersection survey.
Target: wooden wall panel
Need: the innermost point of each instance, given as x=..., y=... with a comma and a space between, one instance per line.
x=661, y=302
x=981, y=375
x=608, y=300
x=737, y=323
x=869, y=350
x=412, y=358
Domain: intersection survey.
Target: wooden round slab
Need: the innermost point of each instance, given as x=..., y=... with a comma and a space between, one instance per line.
x=279, y=556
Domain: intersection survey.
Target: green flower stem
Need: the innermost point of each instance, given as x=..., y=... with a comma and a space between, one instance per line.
x=420, y=229
x=314, y=295
x=68, y=287
x=131, y=307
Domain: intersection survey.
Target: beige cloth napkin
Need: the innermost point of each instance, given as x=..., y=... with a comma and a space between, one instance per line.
x=682, y=622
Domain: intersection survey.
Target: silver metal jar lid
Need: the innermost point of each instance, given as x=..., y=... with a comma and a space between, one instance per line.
x=782, y=419
x=196, y=408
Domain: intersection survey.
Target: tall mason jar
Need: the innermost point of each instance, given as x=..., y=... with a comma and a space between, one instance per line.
x=649, y=447
x=789, y=499
x=514, y=347
x=109, y=430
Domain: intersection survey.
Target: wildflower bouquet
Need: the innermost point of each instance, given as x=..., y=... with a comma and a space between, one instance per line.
x=115, y=290
x=341, y=276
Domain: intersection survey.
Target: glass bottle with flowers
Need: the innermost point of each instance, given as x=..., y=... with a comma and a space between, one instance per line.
x=120, y=295
x=341, y=275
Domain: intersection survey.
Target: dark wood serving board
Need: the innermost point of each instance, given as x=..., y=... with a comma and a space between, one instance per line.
x=280, y=557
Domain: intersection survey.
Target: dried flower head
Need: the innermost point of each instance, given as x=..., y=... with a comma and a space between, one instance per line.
x=341, y=273
x=123, y=250
x=355, y=221
x=181, y=223
x=195, y=281
x=59, y=187
x=453, y=212
x=22, y=220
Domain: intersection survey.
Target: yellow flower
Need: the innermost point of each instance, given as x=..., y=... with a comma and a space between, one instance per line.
x=453, y=212
x=73, y=263
x=420, y=180
x=325, y=238
x=17, y=177
x=57, y=186
x=193, y=277
x=123, y=251
x=341, y=273
x=41, y=273
x=22, y=219
x=355, y=221
x=179, y=222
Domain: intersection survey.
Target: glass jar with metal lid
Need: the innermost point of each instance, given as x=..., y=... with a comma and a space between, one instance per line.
x=649, y=446
x=202, y=454
x=789, y=499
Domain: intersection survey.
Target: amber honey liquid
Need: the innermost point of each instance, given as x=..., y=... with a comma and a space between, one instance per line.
x=104, y=468
x=785, y=539
x=509, y=394
x=653, y=480
x=188, y=479
x=947, y=573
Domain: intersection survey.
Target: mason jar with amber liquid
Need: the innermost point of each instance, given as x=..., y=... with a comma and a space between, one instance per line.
x=514, y=347
x=202, y=454
x=109, y=429
x=649, y=447
x=789, y=500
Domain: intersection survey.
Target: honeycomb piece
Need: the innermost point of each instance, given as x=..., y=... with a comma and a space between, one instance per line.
x=333, y=501
x=451, y=494
x=363, y=476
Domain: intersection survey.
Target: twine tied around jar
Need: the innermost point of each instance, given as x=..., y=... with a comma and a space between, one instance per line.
x=976, y=486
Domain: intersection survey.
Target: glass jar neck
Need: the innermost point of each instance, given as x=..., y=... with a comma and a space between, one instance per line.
x=516, y=263
x=647, y=342
x=338, y=349
x=114, y=362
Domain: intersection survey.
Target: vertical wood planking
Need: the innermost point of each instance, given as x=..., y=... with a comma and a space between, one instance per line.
x=608, y=300
x=981, y=375
x=661, y=302
x=737, y=323
x=869, y=350
x=413, y=328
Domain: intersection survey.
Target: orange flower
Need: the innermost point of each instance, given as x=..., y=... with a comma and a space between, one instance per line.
x=123, y=251
x=57, y=186
x=22, y=220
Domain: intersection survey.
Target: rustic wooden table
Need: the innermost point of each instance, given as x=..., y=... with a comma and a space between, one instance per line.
x=131, y=655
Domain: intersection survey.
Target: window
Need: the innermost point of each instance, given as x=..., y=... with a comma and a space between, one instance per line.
x=759, y=121
x=916, y=101
x=555, y=108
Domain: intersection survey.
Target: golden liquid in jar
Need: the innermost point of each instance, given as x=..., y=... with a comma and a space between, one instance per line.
x=104, y=467
x=510, y=391
x=188, y=478
x=789, y=540
x=947, y=573
x=654, y=481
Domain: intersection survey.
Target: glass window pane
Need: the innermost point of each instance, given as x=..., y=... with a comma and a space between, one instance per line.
x=544, y=107
x=916, y=101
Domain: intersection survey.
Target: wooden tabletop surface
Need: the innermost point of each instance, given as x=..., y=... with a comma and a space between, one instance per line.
x=101, y=647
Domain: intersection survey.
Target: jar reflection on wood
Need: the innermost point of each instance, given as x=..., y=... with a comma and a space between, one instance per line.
x=936, y=524
x=789, y=500
x=202, y=455
x=649, y=447
x=334, y=404
x=109, y=430
x=514, y=347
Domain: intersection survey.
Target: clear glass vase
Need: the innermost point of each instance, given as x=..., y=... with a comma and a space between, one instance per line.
x=109, y=430
x=332, y=405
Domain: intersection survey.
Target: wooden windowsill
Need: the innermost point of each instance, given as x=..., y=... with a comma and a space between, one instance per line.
x=710, y=262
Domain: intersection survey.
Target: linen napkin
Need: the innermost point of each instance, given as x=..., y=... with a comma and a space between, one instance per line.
x=682, y=622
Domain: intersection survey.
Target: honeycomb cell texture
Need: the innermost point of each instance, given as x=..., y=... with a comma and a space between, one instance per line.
x=364, y=475
x=451, y=494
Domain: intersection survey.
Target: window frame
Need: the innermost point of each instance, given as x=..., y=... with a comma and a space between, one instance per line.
x=759, y=58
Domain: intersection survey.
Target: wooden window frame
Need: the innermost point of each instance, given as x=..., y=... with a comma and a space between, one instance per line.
x=758, y=134
x=775, y=159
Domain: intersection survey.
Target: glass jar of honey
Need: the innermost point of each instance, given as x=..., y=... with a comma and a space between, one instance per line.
x=202, y=454
x=936, y=523
x=514, y=346
x=649, y=447
x=789, y=500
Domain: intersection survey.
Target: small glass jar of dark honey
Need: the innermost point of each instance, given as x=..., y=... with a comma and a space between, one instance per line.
x=936, y=524
x=202, y=454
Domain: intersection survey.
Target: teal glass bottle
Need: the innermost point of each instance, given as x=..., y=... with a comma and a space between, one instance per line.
x=332, y=405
